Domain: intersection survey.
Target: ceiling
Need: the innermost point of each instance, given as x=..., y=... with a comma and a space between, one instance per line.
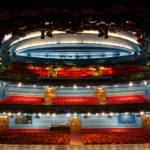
x=125, y=15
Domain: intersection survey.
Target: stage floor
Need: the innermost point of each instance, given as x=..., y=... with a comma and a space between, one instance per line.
x=82, y=147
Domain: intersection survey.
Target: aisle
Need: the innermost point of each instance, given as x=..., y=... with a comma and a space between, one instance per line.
x=75, y=139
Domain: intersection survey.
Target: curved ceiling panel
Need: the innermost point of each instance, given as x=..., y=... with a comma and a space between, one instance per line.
x=78, y=46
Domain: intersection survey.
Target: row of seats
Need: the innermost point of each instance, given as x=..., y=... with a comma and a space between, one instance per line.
x=127, y=99
x=71, y=73
x=116, y=136
x=33, y=136
x=23, y=100
x=112, y=130
x=75, y=101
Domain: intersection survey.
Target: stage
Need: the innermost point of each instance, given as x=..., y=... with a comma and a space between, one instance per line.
x=71, y=147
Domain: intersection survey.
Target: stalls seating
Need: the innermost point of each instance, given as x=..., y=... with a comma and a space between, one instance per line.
x=33, y=136
x=115, y=136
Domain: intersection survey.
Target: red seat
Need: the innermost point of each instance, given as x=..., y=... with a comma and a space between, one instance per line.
x=75, y=101
x=126, y=99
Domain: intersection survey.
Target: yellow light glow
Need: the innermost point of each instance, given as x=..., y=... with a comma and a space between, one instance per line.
x=7, y=37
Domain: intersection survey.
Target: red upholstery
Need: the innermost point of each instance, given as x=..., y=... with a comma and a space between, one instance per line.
x=72, y=73
x=23, y=100
x=126, y=99
x=33, y=136
x=75, y=101
x=115, y=136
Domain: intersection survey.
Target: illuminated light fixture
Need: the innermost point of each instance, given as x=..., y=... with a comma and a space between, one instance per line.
x=25, y=114
x=96, y=114
x=131, y=84
x=47, y=114
x=9, y=114
x=0, y=58
x=7, y=37
x=75, y=114
x=0, y=63
x=34, y=85
x=126, y=113
x=68, y=114
x=111, y=113
x=88, y=113
x=39, y=114
x=46, y=23
x=54, y=114
x=34, y=114
x=19, y=113
x=103, y=113
x=116, y=85
x=141, y=113
x=82, y=114
x=75, y=86
x=19, y=84
x=88, y=86
x=4, y=113
x=145, y=82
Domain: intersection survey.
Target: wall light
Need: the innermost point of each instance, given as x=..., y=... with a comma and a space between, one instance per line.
x=19, y=84
x=54, y=114
x=142, y=113
x=88, y=113
x=47, y=114
x=68, y=114
x=131, y=84
x=75, y=86
x=19, y=113
x=103, y=113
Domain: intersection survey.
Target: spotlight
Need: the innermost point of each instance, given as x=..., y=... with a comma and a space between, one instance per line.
x=145, y=82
